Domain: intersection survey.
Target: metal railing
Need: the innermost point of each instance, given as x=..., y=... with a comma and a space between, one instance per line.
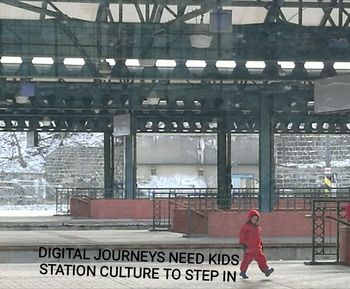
x=64, y=195
x=290, y=198
x=242, y=199
x=327, y=215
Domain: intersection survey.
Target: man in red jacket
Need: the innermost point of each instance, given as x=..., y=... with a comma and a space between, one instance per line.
x=249, y=237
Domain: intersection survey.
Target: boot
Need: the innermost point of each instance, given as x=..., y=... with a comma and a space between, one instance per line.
x=243, y=275
x=268, y=272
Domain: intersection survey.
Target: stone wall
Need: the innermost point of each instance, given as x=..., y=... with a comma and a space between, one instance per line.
x=75, y=167
x=295, y=149
x=82, y=167
x=300, y=160
x=312, y=149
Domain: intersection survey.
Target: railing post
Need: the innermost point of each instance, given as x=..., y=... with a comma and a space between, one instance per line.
x=338, y=227
x=57, y=189
x=154, y=208
x=313, y=230
x=169, y=208
x=189, y=227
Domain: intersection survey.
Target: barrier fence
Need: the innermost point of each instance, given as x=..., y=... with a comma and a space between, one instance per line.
x=203, y=199
x=327, y=216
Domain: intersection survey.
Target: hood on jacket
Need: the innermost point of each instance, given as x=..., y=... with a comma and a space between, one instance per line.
x=252, y=213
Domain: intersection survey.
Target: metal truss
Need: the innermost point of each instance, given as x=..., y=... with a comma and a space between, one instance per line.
x=180, y=99
x=164, y=107
x=151, y=39
x=333, y=12
x=60, y=39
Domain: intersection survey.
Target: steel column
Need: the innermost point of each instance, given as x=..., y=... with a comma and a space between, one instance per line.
x=266, y=154
x=108, y=164
x=130, y=161
x=224, y=164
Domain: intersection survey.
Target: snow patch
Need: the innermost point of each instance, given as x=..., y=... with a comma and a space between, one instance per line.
x=27, y=210
x=177, y=181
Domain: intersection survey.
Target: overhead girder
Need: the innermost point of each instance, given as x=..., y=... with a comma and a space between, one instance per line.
x=164, y=108
x=212, y=90
x=175, y=124
x=120, y=41
x=197, y=98
x=236, y=124
x=55, y=123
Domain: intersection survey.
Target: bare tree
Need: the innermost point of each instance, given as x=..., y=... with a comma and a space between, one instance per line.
x=16, y=143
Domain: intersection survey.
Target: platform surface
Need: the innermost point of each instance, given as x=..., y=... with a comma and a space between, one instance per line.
x=64, y=231
x=292, y=275
x=16, y=244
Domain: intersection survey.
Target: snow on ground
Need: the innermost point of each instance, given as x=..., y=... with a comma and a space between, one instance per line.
x=27, y=210
x=177, y=181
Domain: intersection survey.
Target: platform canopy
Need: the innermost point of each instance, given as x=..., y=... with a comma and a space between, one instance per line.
x=174, y=65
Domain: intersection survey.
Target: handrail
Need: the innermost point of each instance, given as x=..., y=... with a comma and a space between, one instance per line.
x=284, y=198
x=338, y=220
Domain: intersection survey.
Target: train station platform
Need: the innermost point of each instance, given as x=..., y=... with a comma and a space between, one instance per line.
x=21, y=237
x=288, y=274
x=33, y=223
x=25, y=244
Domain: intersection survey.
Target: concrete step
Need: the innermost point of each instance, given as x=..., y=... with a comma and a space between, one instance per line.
x=58, y=223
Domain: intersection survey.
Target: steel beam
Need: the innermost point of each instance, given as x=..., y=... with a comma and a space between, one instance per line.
x=130, y=163
x=123, y=41
x=174, y=107
x=108, y=142
x=223, y=164
x=266, y=155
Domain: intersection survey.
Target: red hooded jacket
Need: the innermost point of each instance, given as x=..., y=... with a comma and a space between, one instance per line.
x=249, y=234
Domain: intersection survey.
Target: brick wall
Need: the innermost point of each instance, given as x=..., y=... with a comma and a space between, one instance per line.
x=276, y=224
x=117, y=209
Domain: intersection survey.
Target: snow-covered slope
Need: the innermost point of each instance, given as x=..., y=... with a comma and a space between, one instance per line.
x=15, y=156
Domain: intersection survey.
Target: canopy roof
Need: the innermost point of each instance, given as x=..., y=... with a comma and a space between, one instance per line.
x=305, y=12
x=283, y=36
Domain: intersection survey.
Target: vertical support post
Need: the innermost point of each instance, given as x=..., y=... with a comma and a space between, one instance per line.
x=108, y=164
x=130, y=161
x=32, y=139
x=328, y=152
x=338, y=230
x=223, y=164
x=313, y=230
x=169, y=211
x=266, y=155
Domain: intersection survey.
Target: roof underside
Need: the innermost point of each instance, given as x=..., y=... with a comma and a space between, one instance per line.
x=86, y=97
x=305, y=12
